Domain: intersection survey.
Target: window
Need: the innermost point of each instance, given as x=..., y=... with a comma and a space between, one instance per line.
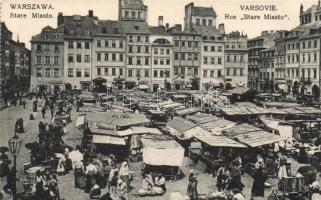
x=227, y=72
x=138, y=61
x=204, y=60
x=70, y=45
x=106, y=43
x=78, y=73
x=38, y=47
x=99, y=71
x=146, y=49
x=139, y=15
x=212, y=73
x=204, y=73
x=314, y=73
x=47, y=72
x=126, y=14
x=176, y=56
x=241, y=72
x=162, y=51
x=87, y=45
x=79, y=58
x=121, y=44
x=315, y=57
x=303, y=45
x=120, y=71
x=70, y=72
x=235, y=58
x=56, y=60
x=309, y=44
x=130, y=60
x=138, y=38
x=155, y=62
x=219, y=60
x=138, y=73
x=234, y=72
x=155, y=73
x=98, y=43
x=121, y=57
x=195, y=71
x=87, y=72
x=189, y=43
x=196, y=56
x=183, y=43
x=219, y=49
x=161, y=62
x=205, y=48
x=227, y=58
x=98, y=56
x=146, y=60
x=204, y=22
x=138, y=49
x=176, y=43
x=156, y=51
x=113, y=72
x=161, y=74
x=78, y=45
x=70, y=58
x=176, y=71
x=147, y=39
x=87, y=58
x=113, y=44
x=130, y=73
x=168, y=61
x=48, y=60
x=315, y=43
x=146, y=73
x=183, y=56
x=219, y=73
x=106, y=56
x=210, y=22
x=198, y=22
x=168, y=51
x=57, y=49
x=212, y=48
x=56, y=73
x=113, y=57
x=241, y=58
x=106, y=71
x=130, y=49
x=130, y=39
x=38, y=60
x=39, y=72
x=133, y=14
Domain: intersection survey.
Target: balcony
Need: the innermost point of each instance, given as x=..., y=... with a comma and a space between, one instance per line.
x=306, y=80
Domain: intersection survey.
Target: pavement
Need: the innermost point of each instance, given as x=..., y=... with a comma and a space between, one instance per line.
x=8, y=116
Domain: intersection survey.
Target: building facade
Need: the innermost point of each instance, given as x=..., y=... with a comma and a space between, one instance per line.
x=132, y=10
x=14, y=64
x=267, y=70
x=236, y=60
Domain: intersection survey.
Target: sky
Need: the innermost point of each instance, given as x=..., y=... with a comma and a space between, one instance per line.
x=172, y=10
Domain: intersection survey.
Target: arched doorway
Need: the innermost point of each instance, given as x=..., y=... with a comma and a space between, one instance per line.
x=316, y=91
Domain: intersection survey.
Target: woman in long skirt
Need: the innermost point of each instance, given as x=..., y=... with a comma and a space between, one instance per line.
x=258, y=183
x=79, y=175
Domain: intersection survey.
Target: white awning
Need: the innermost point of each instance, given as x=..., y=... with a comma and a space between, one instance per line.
x=80, y=121
x=106, y=139
x=143, y=87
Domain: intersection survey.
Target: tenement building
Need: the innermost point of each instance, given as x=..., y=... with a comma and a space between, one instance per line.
x=14, y=64
x=266, y=69
x=47, y=49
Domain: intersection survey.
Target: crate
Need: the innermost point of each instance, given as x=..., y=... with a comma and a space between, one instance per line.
x=292, y=184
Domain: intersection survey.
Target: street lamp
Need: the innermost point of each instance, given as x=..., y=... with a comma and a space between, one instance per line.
x=14, y=147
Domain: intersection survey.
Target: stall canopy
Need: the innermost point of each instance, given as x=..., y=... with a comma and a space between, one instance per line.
x=220, y=141
x=293, y=111
x=169, y=152
x=179, y=125
x=106, y=139
x=139, y=131
x=309, y=110
x=251, y=135
x=238, y=90
x=280, y=104
x=188, y=111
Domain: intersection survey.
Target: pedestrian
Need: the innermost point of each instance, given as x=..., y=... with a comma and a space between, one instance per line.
x=24, y=103
x=121, y=190
x=259, y=182
x=43, y=111
x=236, y=182
x=237, y=195
x=40, y=182
x=282, y=173
x=95, y=192
x=112, y=183
x=192, y=187
x=160, y=182
x=79, y=172
x=91, y=172
x=223, y=178
x=124, y=174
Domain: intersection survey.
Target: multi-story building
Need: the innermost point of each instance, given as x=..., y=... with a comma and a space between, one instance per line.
x=187, y=61
x=47, y=49
x=212, y=57
x=266, y=69
x=199, y=16
x=14, y=63
x=109, y=48
x=255, y=46
x=78, y=50
x=138, y=54
x=162, y=57
x=280, y=62
x=132, y=10
x=236, y=60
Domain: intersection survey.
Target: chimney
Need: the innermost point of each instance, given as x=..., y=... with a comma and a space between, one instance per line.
x=160, y=21
x=90, y=13
x=60, y=19
x=301, y=9
x=178, y=27
x=167, y=26
x=221, y=29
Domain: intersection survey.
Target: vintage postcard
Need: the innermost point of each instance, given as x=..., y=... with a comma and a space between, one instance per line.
x=160, y=99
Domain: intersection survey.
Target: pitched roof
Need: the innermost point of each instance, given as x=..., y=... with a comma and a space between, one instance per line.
x=136, y=27
x=181, y=124
x=110, y=27
x=158, y=30
x=204, y=12
x=207, y=31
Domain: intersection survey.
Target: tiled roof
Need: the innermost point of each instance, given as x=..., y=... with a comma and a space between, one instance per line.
x=109, y=27
x=204, y=12
x=76, y=26
x=48, y=34
x=207, y=31
x=136, y=27
x=158, y=30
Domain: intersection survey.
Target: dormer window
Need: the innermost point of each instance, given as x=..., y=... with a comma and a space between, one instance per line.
x=116, y=31
x=136, y=27
x=104, y=30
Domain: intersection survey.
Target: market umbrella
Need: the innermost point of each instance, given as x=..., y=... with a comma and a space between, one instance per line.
x=76, y=156
x=4, y=149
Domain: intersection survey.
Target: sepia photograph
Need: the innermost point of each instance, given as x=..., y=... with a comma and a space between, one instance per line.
x=160, y=99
